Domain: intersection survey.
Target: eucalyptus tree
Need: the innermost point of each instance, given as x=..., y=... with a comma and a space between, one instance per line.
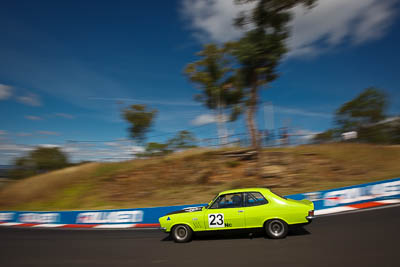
x=141, y=119
x=261, y=48
x=214, y=76
x=39, y=160
x=182, y=140
x=367, y=108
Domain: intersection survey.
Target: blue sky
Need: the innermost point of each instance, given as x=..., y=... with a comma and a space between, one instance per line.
x=68, y=67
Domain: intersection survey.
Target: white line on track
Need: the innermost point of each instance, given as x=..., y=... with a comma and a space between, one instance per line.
x=103, y=229
x=112, y=226
x=10, y=224
x=360, y=210
x=49, y=225
x=389, y=201
x=333, y=210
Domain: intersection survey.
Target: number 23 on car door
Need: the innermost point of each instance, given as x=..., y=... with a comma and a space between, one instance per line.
x=216, y=220
x=226, y=213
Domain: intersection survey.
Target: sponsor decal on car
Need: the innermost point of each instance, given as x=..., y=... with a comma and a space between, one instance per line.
x=192, y=209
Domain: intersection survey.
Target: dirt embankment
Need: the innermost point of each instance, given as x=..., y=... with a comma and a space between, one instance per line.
x=195, y=176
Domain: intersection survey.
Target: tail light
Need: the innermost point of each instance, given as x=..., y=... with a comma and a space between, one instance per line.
x=311, y=213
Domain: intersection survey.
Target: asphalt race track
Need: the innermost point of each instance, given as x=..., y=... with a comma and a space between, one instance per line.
x=368, y=238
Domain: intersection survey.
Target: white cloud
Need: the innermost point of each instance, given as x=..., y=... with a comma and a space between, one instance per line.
x=330, y=23
x=212, y=19
x=10, y=151
x=15, y=148
x=301, y=112
x=77, y=151
x=5, y=91
x=64, y=115
x=204, y=119
x=23, y=134
x=30, y=99
x=336, y=22
x=3, y=135
x=145, y=101
x=48, y=133
x=33, y=118
x=136, y=149
x=305, y=134
x=114, y=144
x=108, y=151
x=49, y=145
x=378, y=18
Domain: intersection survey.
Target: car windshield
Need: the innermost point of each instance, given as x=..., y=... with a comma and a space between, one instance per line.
x=213, y=199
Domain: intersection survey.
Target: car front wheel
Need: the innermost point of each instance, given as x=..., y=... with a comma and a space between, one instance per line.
x=181, y=233
x=276, y=228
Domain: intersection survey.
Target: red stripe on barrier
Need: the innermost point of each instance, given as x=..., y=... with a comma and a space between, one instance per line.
x=26, y=224
x=78, y=226
x=144, y=225
x=365, y=205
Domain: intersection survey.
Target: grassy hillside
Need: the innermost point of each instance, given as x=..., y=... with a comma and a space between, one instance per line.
x=195, y=176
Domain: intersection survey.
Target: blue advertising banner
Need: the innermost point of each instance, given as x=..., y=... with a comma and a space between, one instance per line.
x=121, y=216
x=382, y=190
x=323, y=200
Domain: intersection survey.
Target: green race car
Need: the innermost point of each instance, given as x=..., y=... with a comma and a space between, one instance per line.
x=240, y=209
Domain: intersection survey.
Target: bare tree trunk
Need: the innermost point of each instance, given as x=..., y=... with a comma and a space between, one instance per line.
x=255, y=141
x=250, y=112
x=225, y=138
x=222, y=130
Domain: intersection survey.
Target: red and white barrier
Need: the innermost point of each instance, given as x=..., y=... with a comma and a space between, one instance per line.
x=340, y=209
x=97, y=226
x=353, y=207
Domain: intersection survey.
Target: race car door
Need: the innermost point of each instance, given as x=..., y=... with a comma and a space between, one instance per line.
x=256, y=209
x=225, y=213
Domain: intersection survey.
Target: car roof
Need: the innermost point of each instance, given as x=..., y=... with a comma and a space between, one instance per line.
x=241, y=190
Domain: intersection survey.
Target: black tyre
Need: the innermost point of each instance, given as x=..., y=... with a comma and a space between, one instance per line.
x=181, y=233
x=276, y=229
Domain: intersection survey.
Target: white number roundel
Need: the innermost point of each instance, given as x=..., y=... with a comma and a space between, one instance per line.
x=216, y=220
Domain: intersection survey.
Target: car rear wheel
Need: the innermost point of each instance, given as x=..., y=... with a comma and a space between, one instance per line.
x=181, y=233
x=276, y=228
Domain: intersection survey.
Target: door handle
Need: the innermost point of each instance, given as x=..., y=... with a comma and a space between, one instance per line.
x=240, y=210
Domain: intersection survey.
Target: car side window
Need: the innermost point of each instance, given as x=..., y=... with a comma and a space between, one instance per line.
x=254, y=199
x=228, y=201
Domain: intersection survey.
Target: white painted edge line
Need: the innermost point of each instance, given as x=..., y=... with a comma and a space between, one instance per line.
x=112, y=226
x=9, y=224
x=362, y=210
x=389, y=201
x=333, y=210
x=49, y=225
